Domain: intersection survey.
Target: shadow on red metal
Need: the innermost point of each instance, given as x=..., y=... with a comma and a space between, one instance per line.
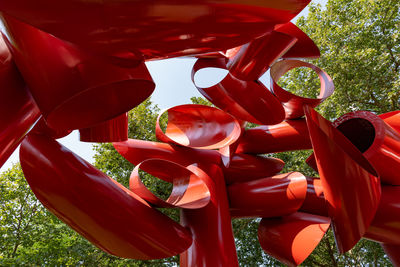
x=274, y=196
x=114, y=130
x=393, y=252
x=315, y=201
x=350, y=183
x=96, y=206
x=291, y=239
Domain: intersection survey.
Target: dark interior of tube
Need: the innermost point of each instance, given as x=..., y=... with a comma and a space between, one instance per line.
x=359, y=131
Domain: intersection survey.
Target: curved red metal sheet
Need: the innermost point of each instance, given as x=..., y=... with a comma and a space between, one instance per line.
x=379, y=143
x=157, y=29
x=232, y=96
x=385, y=226
x=292, y=103
x=274, y=196
x=199, y=126
x=71, y=86
x=315, y=201
x=393, y=252
x=245, y=168
x=114, y=130
x=41, y=127
x=304, y=46
x=96, y=206
x=291, y=239
x=213, y=241
x=136, y=151
x=350, y=183
x=189, y=190
x=285, y=136
x=392, y=119
x=253, y=59
x=17, y=108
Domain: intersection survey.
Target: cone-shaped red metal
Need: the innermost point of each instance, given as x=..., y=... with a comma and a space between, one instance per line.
x=274, y=196
x=304, y=46
x=253, y=59
x=392, y=119
x=114, y=130
x=292, y=103
x=233, y=96
x=350, y=183
x=315, y=201
x=73, y=88
x=245, y=168
x=17, y=108
x=291, y=239
x=41, y=127
x=189, y=190
x=379, y=143
x=96, y=206
x=393, y=252
x=136, y=151
x=156, y=29
x=213, y=242
x=385, y=227
x=285, y=136
x=199, y=126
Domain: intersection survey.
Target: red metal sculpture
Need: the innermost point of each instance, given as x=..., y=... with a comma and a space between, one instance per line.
x=83, y=63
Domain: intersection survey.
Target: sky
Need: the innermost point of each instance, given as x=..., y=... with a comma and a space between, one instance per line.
x=173, y=87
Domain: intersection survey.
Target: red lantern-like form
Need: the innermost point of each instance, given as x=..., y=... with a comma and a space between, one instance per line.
x=80, y=65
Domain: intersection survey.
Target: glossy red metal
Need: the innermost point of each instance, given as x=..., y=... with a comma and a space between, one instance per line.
x=73, y=88
x=285, y=136
x=96, y=206
x=114, y=130
x=393, y=252
x=392, y=119
x=292, y=103
x=304, y=46
x=189, y=190
x=136, y=151
x=274, y=196
x=291, y=239
x=213, y=241
x=17, y=107
x=350, y=183
x=199, y=126
x=232, y=96
x=245, y=168
x=253, y=59
x=41, y=127
x=379, y=143
x=156, y=29
x=315, y=201
x=385, y=226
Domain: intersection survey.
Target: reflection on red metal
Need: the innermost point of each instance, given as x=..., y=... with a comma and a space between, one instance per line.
x=189, y=190
x=213, y=242
x=17, y=108
x=288, y=135
x=274, y=196
x=379, y=143
x=292, y=103
x=199, y=126
x=393, y=252
x=291, y=239
x=350, y=183
x=96, y=206
x=244, y=168
x=156, y=29
x=73, y=88
x=231, y=95
x=84, y=66
x=114, y=130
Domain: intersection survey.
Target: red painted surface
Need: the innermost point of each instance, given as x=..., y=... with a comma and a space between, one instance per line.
x=114, y=130
x=96, y=206
x=291, y=239
x=274, y=196
x=350, y=183
x=314, y=202
x=393, y=252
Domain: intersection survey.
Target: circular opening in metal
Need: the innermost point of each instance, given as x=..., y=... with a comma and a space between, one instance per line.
x=359, y=131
